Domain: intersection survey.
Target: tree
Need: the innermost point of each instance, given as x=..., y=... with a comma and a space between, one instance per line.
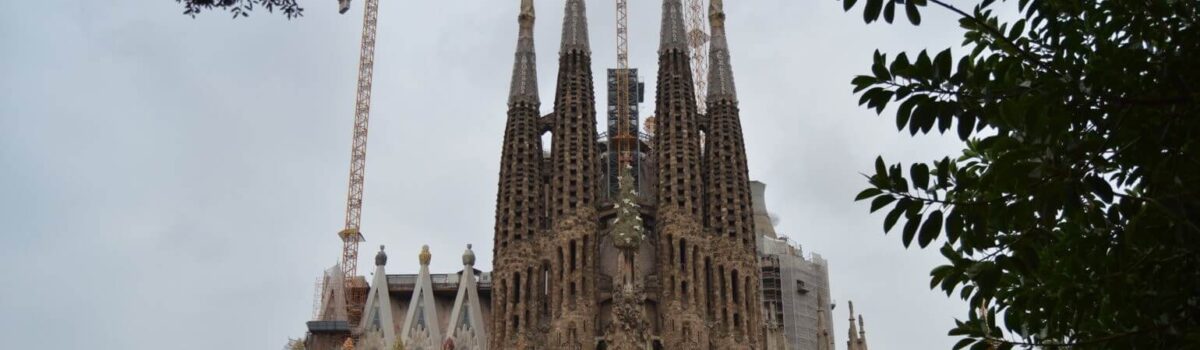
x=294, y=344
x=1072, y=217
x=242, y=8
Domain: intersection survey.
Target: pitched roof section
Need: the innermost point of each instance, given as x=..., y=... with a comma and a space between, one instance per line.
x=575, y=28
x=673, y=35
x=466, y=318
x=524, y=80
x=421, y=329
x=720, y=73
x=377, y=315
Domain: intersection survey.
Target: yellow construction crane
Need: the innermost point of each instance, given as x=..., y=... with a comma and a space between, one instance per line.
x=351, y=235
x=698, y=41
x=625, y=138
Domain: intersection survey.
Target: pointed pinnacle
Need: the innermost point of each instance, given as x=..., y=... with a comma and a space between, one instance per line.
x=720, y=75
x=673, y=35
x=575, y=28
x=524, y=80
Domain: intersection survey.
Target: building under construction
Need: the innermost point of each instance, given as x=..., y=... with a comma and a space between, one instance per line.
x=630, y=238
x=797, y=308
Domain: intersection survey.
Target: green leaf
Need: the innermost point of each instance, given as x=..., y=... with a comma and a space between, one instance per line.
x=982, y=345
x=868, y=97
x=867, y=193
x=914, y=208
x=905, y=111
x=923, y=116
x=920, y=175
x=871, y=13
x=862, y=82
x=923, y=65
x=938, y=274
x=943, y=171
x=954, y=225
x=943, y=62
x=881, y=99
x=889, y=11
x=894, y=215
x=966, y=126
x=896, y=177
x=880, y=202
x=1017, y=29
x=1101, y=188
x=848, y=4
x=945, y=116
x=965, y=342
x=880, y=167
x=931, y=228
x=910, y=229
x=881, y=72
x=914, y=15
x=900, y=65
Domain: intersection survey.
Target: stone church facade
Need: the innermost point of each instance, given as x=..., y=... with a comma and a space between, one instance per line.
x=563, y=278
x=670, y=248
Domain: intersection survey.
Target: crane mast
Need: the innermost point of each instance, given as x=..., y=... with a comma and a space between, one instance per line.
x=351, y=235
x=698, y=41
x=624, y=140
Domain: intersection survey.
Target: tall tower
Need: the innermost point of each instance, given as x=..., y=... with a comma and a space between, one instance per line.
x=577, y=268
x=519, y=201
x=681, y=242
x=728, y=209
x=574, y=184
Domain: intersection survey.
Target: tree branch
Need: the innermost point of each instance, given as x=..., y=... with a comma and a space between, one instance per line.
x=995, y=33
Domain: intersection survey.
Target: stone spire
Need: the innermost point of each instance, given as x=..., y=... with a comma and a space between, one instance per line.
x=824, y=338
x=377, y=320
x=727, y=192
x=574, y=149
x=852, y=336
x=727, y=178
x=519, y=199
x=680, y=210
x=575, y=29
x=466, y=328
x=673, y=35
x=677, y=133
x=862, y=334
x=857, y=337
x=421, y=329
x=574, y=172
x=524, y=80
x=720, y=73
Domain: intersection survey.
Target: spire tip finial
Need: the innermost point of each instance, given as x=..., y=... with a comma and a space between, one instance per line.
x=425, y=256
x=469, y=256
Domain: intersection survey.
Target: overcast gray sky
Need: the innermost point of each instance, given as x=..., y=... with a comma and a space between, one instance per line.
x=169, y=182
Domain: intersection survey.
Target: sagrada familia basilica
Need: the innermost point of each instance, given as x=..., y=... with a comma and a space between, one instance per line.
x=671, y=248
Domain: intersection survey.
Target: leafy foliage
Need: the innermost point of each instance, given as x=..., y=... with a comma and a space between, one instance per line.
x=242, y=8
x=294, y=344
x=1072, y=217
